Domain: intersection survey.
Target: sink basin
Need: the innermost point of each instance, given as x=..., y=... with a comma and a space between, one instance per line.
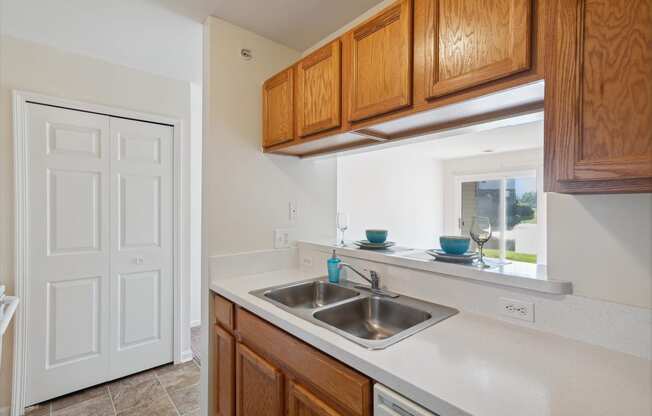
x=372, y=318
x=310, y=295
x=368, y=319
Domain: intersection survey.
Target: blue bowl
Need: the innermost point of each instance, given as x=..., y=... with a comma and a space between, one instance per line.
x=456, y=245
x=376, y=236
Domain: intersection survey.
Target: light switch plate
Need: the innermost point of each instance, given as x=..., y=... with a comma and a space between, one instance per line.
x=281, y=238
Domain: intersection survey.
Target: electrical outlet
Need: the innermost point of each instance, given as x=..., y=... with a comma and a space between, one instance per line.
x=516, y=309
x=281, y=238
x=306, y=261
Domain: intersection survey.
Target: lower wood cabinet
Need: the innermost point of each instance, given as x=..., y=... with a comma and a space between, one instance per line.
x=301, y=402
x=260, y=370
x=259, y=388
x=224, y=374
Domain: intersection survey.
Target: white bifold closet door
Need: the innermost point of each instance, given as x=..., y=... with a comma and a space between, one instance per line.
x=100, y=275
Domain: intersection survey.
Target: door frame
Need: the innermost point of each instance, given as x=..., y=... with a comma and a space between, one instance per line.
x=181, y=228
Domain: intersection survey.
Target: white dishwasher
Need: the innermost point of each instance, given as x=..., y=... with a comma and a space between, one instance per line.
x=389, y=403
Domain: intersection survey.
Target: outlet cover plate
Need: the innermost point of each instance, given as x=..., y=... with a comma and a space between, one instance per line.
x=516, y=309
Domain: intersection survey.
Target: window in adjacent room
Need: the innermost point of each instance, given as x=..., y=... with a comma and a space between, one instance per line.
x=511, y=201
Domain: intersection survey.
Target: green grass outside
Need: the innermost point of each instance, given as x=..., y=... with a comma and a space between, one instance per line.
x=511, y=255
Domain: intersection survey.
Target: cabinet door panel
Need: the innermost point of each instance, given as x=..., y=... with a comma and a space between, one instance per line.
x=616, y=90
x=278, y=108
x=381, y=63
x=224, y=373
x=470, y=42
x=598, y=126
x=319, y=90
x=304, y=403
x=259, y=385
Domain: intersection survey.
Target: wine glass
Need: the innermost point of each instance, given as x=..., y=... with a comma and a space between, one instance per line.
x=342, y=220
x=481, y=233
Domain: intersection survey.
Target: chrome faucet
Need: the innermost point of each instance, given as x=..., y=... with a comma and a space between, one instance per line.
x=373, y=279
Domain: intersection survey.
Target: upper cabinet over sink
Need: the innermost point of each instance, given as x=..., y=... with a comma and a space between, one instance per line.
x=413, y=58
x=319, y=90
x=425, y=66
x=470, y=42
x=379, y=63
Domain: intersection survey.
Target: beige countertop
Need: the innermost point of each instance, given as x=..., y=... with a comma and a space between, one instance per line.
x=473, y=365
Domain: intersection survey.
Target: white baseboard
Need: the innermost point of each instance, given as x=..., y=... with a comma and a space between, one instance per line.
x=194, y=324
x=186, y=356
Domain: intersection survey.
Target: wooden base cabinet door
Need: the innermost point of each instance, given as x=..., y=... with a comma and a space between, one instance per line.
x=379, y=63
x=259, y=390
x=470, y=42
x=302, y=402
x=224, y=373
x=598, y=124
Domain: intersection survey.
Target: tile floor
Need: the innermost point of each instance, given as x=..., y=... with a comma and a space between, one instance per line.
x=170, y=390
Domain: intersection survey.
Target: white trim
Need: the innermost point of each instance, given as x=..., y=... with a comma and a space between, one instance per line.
x=180, y=220
x=195, y=324
x=186, y=356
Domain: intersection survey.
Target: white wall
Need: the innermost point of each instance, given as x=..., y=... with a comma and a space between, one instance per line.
x=603, y=244
x=395, y=189
x=247, y=192
x=140, y=34
x=33, y=67
x=196, y=132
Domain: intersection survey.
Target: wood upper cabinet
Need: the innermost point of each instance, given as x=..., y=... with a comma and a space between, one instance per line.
x=379, y=63
x=470, y=42
x=598, y=106
x=318, y=95
x=301, y=402
x=278, y=108
x=259, y=390
x=224, y=377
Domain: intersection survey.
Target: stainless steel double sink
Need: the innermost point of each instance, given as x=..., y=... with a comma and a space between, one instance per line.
x=366, y=318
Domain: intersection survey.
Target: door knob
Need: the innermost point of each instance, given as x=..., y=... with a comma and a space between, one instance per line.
x=139, y=260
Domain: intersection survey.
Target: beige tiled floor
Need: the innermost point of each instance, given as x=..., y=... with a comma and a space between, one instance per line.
x=170, y=390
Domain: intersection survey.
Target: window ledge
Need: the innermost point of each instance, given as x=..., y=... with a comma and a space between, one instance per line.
x=515, y=274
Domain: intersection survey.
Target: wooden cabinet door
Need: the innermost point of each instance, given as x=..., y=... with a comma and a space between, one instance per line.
x=598, y=106
x=470, y=42
x=259, y=389
x=278, y=108
x=224, y=373
x=318, y=96
x=379, y=66
x=302, y=402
